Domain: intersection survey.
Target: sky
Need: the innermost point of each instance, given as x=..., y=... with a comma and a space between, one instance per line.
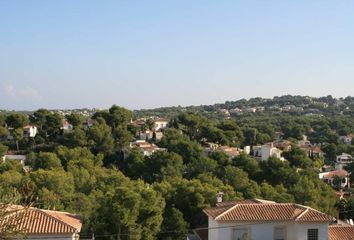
x=146, y=54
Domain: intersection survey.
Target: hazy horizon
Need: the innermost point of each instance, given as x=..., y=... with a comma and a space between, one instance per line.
x=143, y=55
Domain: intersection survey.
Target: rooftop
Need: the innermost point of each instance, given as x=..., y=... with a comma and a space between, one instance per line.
x=37, y=221
x=262, y=210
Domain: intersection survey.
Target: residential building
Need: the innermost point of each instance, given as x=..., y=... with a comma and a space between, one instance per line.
x=67, y=127
x=346, y=139
x=158, y=135
x=146, y=148
x=315, y=152
x=304, y=143
x=340, y=232
x=342, y=177
x=260, y=219
x=343, y=160
x=283, y=145
x=229, y=151
x=160, y=123
x=264, y=152
x=20, y=158
x=29, y=131
x=146, y=135
x=36, y=223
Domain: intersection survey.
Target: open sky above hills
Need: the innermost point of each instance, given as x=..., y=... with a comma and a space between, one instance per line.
x=146, y=54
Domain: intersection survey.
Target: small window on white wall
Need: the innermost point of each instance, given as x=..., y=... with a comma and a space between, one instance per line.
x=312, y=234
x=240, y=234
x=279, y=233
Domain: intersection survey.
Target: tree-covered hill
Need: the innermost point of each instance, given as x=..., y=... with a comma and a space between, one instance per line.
x=92, y=169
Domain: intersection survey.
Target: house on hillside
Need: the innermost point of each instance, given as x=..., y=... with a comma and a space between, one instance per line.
x=67, y=127
x=160, y=123
x=343, y=160
x=34, y=223
x=336, y=178
x=263, y=152
x=19, y=158
x=146, y=135
x=29, y=131
x=230, y=151
x=347, y=139
x=146, y=148
x=260, y=219
x=304, y=142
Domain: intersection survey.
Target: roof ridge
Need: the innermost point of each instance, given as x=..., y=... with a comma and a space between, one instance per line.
x=56, y=219
x=301, y=214
x=225, y=212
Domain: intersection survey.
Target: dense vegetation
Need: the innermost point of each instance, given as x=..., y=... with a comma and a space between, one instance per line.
x=92, y=171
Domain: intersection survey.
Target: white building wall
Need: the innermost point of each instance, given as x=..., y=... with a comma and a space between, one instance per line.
x=322, y=230
x=266, y=153
x=265, y=231
x=213, y=232
x=50, y=237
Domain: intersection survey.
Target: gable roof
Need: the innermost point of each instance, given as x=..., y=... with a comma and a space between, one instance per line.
x=261, y=210
x=338, y=232
x=336, y=173
x=38, y=221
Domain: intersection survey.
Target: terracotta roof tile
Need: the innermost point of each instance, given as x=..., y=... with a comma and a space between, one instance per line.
x=258, y=210
x=338, y=173
x=37, y=221
x=337, y=232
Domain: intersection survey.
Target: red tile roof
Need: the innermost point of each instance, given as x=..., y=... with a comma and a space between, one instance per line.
x=38, y=221
x=258, y=210
x=338, y=232
x=336, y=173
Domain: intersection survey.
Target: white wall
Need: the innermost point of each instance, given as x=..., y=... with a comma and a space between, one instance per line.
x=49, y=236
x=265, y=231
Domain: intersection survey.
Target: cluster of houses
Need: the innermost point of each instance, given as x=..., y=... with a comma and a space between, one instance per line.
x=149, y=129
x=337, y=176
x=86, y=112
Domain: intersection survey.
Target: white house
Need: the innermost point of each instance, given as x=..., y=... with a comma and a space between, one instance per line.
x=343, y=160
x=160, y=123
x=67, y=127
x=347, y=139
x=20, y=158
x=146, y=148
x=264, y=152
x=342, y=175
x=158, y=135
x=146, y=135
x=36, y=223
x=29, y=131
x=262, y=220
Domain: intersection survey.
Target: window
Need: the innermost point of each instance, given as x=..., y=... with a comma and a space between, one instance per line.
x=279, y=233
x=312, y=234
x=240, y=234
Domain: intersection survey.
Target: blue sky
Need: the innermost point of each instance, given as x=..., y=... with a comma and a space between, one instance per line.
x=146, y=54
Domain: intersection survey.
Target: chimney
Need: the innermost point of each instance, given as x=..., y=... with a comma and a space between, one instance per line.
x=219, y=197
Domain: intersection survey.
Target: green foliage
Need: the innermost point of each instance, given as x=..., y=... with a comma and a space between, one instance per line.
x=3, y=150
x=143, y=196
x=76, y=138
x=100, y=138
x=16, y=120
x=47, y=161
x=75, y=119
x=297, y=157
